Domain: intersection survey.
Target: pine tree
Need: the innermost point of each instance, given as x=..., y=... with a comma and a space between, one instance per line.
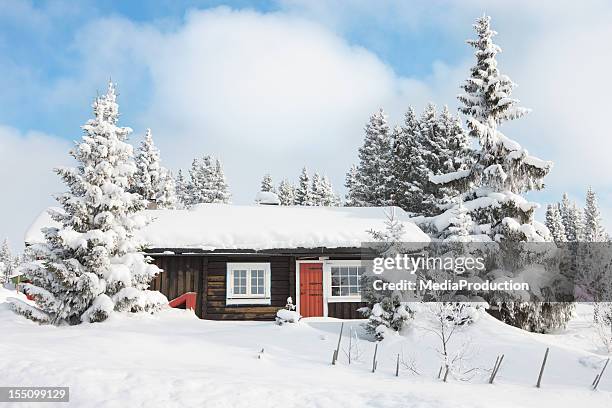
x=461, y=224
x=182, y=187
x=374, y=172
x=576, y=222
x=554, y=223
x=593, y=228
x=207, y=182
x=7, y=262
x=220, y=188
x=303, y=192
x=353, y=188
x=90, y=265
x=329, y=197
x=151, y=181
x=565, y=208
x=148, y=169
x=267, y=185
x=502, y=170
x=318, y=193
x=286, y=193
x=167, y=195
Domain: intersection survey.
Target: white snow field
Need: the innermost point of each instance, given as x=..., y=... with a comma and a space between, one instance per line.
x=174, y=359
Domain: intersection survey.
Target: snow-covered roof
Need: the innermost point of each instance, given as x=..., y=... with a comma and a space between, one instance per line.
x=267, y=197
x=257, y=227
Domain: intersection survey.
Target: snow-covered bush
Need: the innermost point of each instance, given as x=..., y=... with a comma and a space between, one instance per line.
x=87, y=264
x=288, y=314
x=386, y=313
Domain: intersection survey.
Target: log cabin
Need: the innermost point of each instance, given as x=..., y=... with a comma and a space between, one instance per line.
x=242, y=262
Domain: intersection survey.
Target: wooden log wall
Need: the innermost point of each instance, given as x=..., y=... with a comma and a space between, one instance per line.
x=345, y=310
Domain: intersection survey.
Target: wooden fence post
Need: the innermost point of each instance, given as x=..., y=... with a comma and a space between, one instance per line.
x=598, y=378
x=336, y=353
x=542, y=368
x=374, y=364
x=498, y=362
x=397, y=366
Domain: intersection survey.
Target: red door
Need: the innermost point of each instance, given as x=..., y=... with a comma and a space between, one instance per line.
x=311, y=289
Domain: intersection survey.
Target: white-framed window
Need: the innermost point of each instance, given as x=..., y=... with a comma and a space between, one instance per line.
x=248, y=283
x=344, y=280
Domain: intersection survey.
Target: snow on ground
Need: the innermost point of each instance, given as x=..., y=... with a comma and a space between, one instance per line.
x=176, y=360
x=225, y=226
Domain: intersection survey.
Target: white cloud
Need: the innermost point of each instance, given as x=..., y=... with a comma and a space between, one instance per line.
x=27, y=179
x=266, y=92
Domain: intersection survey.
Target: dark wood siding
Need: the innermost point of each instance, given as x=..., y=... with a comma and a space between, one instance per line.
x=181, y=274
x=282, y=270
x=345, y=310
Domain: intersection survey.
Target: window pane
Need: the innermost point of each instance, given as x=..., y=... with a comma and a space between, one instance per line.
x=240, y=282
x=346, y=280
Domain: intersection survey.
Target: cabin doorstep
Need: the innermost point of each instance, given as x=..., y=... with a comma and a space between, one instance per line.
x=243, y=262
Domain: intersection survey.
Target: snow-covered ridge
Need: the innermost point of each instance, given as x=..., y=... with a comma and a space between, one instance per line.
x=224, y=226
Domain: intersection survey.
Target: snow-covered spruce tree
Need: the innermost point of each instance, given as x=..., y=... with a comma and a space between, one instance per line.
x=384, y=309
x=593, y=227
x=502, y=172
x=267, y=185
x=7, y=261
x=220, y=188
x=90, y=265
x=461, y=224
x=433, y=145
x=286, y=193
x=353, y=188
x=330, y=199
x=554, y=223
x=167, y=196
x=303, y=192
x=408, y=166
x=317, y=189
x=182, y=189
x=374, y=173
x=151, y=181
x=207, y=182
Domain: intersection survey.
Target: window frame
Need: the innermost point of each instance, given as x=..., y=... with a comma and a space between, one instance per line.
x=327, y=268
x=248, y=298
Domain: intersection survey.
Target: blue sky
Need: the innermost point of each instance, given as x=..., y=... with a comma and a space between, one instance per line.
x=272, y=86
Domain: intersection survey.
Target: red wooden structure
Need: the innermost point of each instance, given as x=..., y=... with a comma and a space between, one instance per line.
x=311, y=289
x=185, y=301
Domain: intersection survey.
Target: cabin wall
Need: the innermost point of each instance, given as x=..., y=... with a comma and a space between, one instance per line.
x=206, y=275
x=345, y=310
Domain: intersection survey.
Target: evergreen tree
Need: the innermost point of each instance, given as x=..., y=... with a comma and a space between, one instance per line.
x=461, y=224
x=267, y=185
x=329, y=197
x=409, y=171
x=318, y=190
x=220, y=188
x=91, y=264
x=554, y=222
x=353, y=188
x=7, y=262
x=374, y=172
x=207, y=182
x=565, y=208
x=593, y=228
x=303, y=192
x=502, y=170
x=182, y=189
x=501, y=173
x=167, y=196
x=576, y=222
x=286, y=193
